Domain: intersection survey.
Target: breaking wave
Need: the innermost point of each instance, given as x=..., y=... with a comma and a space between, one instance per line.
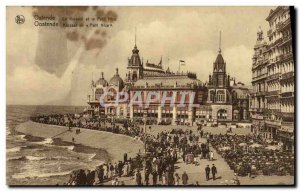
x=39, y=175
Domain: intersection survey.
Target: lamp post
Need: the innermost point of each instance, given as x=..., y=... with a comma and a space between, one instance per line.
x=145, y=147
x=145, y=121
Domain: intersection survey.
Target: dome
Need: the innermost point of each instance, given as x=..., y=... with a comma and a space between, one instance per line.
x=116, y=80
x=101, y=81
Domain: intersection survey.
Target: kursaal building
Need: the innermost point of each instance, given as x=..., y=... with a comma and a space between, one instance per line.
x=220, y=100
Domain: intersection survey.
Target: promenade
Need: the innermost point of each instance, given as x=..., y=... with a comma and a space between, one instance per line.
x=197, y=173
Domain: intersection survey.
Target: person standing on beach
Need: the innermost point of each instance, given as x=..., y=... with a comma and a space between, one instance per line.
x=185, y=178
x=147, y=173
x=214, y=171
x=207, y=172
x=138, y=178
x=154, y=177
x=111, y=170
x=177, y=179
x=115, y=182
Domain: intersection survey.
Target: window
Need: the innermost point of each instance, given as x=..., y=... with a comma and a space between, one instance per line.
x=98, y=93
x=222, y=114
x=220, y=96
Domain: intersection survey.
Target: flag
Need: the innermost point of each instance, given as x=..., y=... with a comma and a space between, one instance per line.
x=182, y=62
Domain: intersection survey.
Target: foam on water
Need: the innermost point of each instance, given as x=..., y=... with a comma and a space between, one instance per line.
x=13, y=150
x=39, y=175
x=35, y=158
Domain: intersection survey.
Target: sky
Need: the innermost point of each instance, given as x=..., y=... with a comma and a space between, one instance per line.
x=55, y=66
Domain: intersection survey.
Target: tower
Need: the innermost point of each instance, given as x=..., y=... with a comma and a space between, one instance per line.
x=219, y=96
x=135, y=66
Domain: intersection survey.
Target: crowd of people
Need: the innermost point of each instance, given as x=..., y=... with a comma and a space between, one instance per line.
x=157, y=165
x=154, y=167
x=248, y=155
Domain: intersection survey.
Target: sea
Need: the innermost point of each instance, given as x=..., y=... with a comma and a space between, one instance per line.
x=44, y=161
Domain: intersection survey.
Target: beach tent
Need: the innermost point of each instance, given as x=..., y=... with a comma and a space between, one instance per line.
x=225, y=148
x=255, y=145
x=272, y=147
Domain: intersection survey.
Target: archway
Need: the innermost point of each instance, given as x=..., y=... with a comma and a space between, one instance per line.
x=222, y=114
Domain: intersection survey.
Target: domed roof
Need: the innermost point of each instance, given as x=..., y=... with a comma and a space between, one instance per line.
x=101, y=80
x=116, y=80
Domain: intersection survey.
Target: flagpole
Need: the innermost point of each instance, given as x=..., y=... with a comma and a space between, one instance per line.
x=179, y=67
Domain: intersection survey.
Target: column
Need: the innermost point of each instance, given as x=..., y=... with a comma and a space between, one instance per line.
x=174, y=115
x=190, y=115
x=131, y=112
x=118, y=111
x=125, y=111
x=105, y=110
x=158, y=114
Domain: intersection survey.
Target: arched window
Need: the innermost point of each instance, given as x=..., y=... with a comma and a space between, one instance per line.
x=111, y=94
x=220, y=96
x=98, y=93
x=134, y=75
x=212, y=96
x=222, y=114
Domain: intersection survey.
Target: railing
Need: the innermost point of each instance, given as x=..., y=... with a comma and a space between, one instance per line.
x=289, y=115
x=258, y=109
x=273, y=123
x=273, y=76
x=260, y=77
x=256, y=116
x=284, y=57
x=281, y=25
x=287, y=95
x=276, y=111
x=287, y=75
x=278, y=25
x=261, y=93
x=285, y=39
x=269, y=33
x=273, y=93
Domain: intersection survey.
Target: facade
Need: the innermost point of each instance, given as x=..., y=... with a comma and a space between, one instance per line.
x=218, y=101
x=259, y=76
x=277, y=120
x=219, y=97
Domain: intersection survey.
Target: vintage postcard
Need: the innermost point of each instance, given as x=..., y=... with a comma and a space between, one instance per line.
x=150, y=96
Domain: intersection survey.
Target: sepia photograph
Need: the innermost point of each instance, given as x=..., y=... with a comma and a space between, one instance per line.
x=150, y=96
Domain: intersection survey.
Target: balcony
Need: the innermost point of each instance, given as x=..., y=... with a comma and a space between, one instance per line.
x=288, y=116
x=273, y=93
x=285, y=57
x=278, y=41
x=287, y=75
x=269, y=33
x=259, y=110
x=257, y=116
x=278, y=25
x=287, y=95
x=273, y=123
x=282, y=25
x=261, y=93
x=273, y=77
x=287, y=127
x=262, y=76
x=285, y=39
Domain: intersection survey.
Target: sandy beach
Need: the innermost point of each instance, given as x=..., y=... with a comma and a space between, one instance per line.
x=115, y=144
